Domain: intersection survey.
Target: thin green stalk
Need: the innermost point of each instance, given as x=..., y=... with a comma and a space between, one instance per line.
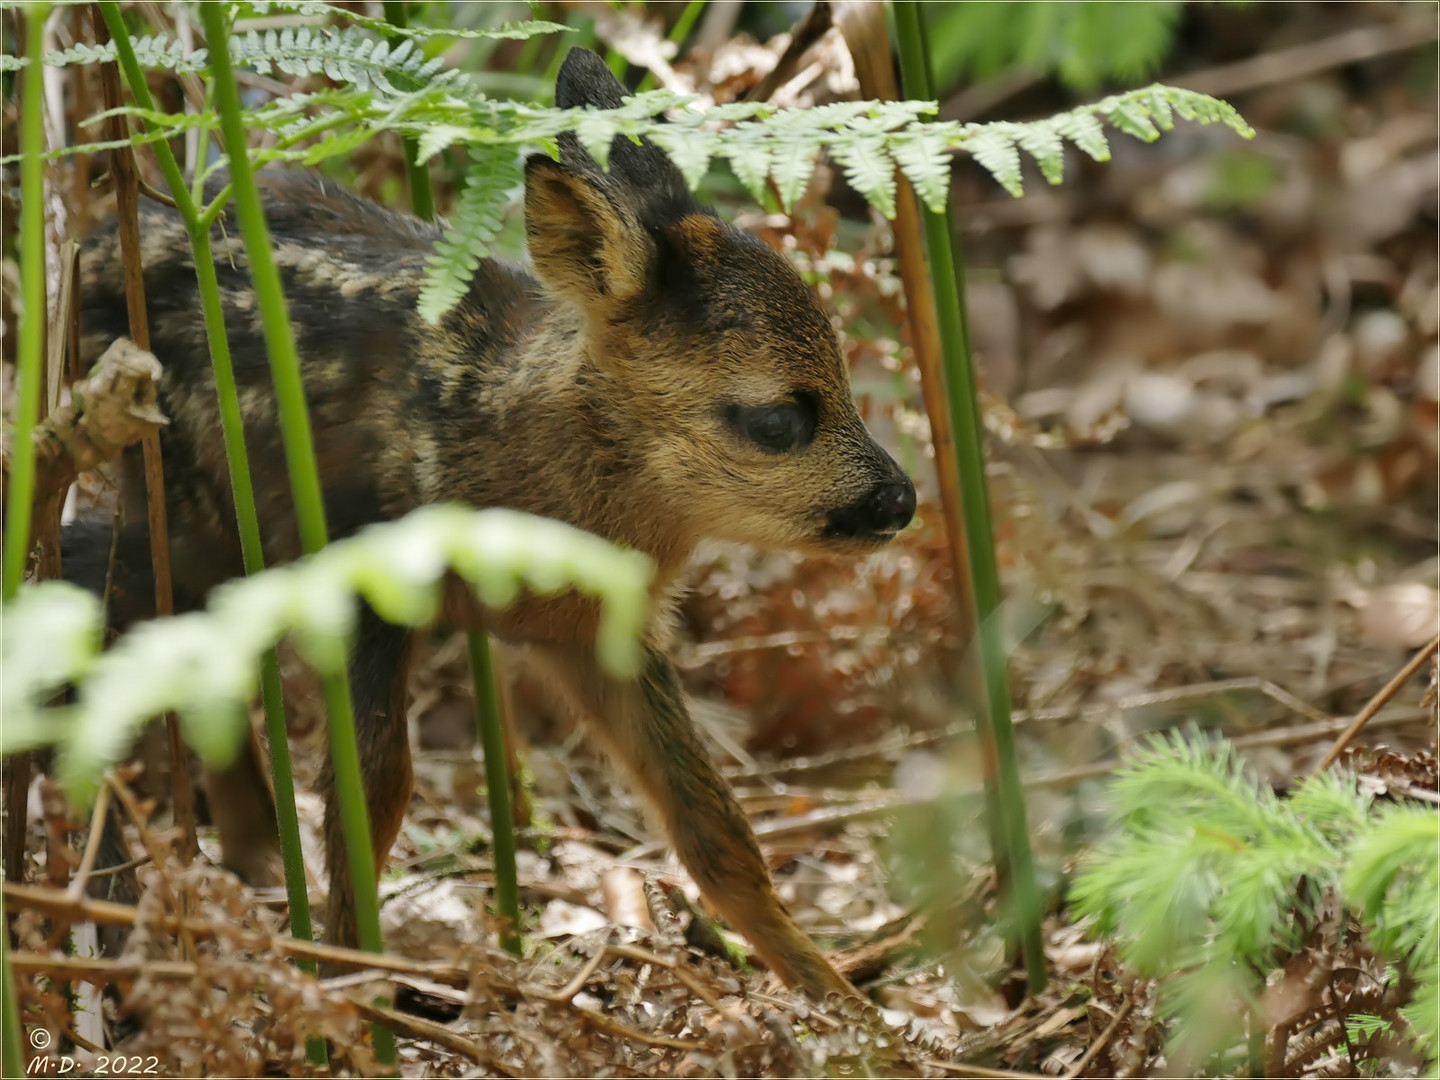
x=13, y=1057
x=279, y=337
x=997, y=734
x=29, y=375
x=27, y=410
x=304, y=480
x=497, y=784
x=252, y=553
x=489, y=719
x=678, y=33
x=247, y=518
x=422, y=200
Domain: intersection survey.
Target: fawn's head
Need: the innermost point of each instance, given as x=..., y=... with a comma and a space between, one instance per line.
x=708, y=346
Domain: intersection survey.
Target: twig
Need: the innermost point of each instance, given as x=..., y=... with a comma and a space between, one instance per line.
x=156, y=195
x=1284, y=737
x=121, y=868
x=101, y=970
x=98, y=969
x=157, y=856
x=807, y=32
x=566, y=993
x=1093, y=1051
x=614, y=1027
x=829, y=817
x=1374, y=705
x=811, y=1016
x=675, y=967
x=57, y=903
x=92, y=844
x=1299, y=61
x=1322, y=724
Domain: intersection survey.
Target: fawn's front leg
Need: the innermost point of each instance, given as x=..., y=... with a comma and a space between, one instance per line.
x=647, y=728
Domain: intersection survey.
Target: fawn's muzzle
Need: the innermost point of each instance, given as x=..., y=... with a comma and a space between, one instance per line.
x=877, y=515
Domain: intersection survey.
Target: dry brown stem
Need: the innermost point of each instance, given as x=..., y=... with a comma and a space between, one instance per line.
x=1376, y=703
x=1301, y=61
x=58, y=903
x=807, y=32
x=863, y=25
x=1093, y=1051
x=127, y=197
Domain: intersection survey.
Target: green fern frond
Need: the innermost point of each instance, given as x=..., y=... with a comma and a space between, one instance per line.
x=1085, y=131
x=1212, y=876
x=478, y=217
x=1394, y=877
x=925, y=161
x=691, y=156
x=399, y=88
x=1042, y=141
x=751, y=166
x=511, y=31
x=994, y=146
x=204, y=664
x=596, y=131
x=791, y=166
x=350, y=55
x=869, y=169
x=435, y=138
x=1140, y=113
x=158, y=52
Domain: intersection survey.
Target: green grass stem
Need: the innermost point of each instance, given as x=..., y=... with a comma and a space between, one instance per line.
x=422, y=199
x=27, y=408
x=1005, y=796
x=31, y=357
x=13, y=1057
x=304, y=481
x=489, y=719
x=247, y=518
x=497, y=784
x=678, y=33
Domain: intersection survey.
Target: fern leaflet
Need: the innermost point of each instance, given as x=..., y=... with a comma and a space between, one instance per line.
x=478, y=218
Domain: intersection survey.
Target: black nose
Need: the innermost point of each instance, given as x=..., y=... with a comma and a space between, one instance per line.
x=884, y=510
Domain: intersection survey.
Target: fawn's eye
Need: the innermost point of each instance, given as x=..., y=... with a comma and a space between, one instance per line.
x=777, y=429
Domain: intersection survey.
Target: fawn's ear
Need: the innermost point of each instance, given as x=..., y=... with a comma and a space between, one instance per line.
x=641, y=169
x=585, y=241
x=584, y=79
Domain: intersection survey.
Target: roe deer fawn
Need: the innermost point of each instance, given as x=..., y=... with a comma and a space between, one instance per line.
x=662, y=377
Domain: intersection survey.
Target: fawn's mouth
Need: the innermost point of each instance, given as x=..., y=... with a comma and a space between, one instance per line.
x=833, y=540
x=875, y=517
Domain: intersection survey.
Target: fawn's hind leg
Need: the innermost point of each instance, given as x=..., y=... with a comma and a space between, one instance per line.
x=378, y=670
x=646, y=726
x=118, y=569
